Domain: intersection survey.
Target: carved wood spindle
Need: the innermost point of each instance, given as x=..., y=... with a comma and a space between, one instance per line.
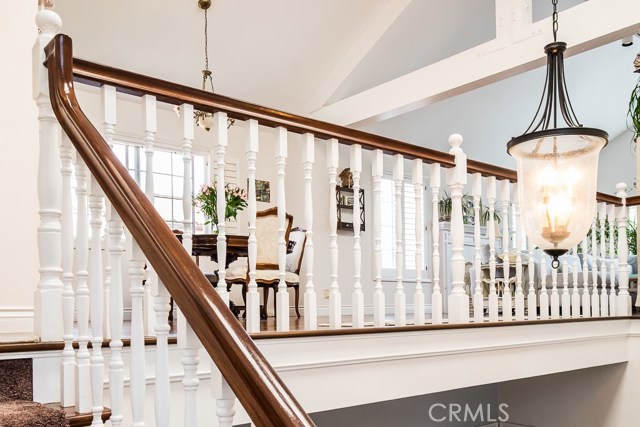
x=418, y=188
x=378, y=295
x=137, y=348
x=282, y=296
x=612, y=265
x=478, y=298
x=519, y=228
x=623, y=303
x=575, y=294
x=585, y=301
x=400, y=299
x=604, y=297
x=507, y=303
x=357, y=299
x=436, y=294
x=595, y=297
x=253, y=297
x=310, y=304
x=493, y=294
x=335, y=299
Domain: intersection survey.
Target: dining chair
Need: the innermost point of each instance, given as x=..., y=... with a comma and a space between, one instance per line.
x=266, y=256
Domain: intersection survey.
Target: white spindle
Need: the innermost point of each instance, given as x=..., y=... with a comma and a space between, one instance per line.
x=493, y=294
x=595, y=298
x=83, y=377
x=586, y=296
x=478, y=299
x=187, y=189
x=162, y=389
x=457, y=179
x=554, y=299
x=436, y=294
x=400, y=299
x=418, y=188
x=378, y=295
x=67, y=397
x=225, y=399
x=282, y=296
x=149, y=111
x=544, y=293
x=565, y=299
x=623, y=303
x=532, y=307
x=310, y=309
x=612, y=266
x=252, y=309
x=48, y=297
x=575, y=292
x=519, y=297
x=357, y=299
x=220, y=127
x=116, y=364
x=108, y=104
x=190, y=346
x=507, y=304
x=96, y=205
x=604, y=297
x=335, y=303
x=137, y=369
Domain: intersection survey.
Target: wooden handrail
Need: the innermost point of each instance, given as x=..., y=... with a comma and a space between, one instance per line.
x=172, y=93
x=258, y=387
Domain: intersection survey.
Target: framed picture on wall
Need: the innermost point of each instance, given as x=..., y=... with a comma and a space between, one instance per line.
x=263, y=191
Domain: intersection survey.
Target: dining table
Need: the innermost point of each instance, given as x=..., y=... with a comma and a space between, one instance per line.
x=207, y=245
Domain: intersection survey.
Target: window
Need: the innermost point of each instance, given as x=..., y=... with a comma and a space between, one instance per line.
x=168, y=176
x=388, y=226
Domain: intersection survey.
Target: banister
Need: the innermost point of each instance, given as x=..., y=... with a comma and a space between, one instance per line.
x=258, y=387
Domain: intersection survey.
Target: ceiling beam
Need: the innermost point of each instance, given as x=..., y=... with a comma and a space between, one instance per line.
x=364, y=43
x=517, y=48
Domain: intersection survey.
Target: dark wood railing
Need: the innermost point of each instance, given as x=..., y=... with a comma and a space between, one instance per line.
x=258, y=387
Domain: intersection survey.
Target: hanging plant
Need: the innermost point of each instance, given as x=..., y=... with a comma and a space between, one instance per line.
x=634, y=111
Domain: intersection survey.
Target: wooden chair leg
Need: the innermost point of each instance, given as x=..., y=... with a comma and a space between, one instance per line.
x=265, y=299
x=275, y=300
x=297, y=289
x=244, y=299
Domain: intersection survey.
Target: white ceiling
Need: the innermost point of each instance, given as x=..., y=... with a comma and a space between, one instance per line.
x=279, y=52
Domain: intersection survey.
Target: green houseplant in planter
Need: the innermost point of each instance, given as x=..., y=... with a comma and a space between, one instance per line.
x=445, y=206
x=207, y=202
x=634, y=111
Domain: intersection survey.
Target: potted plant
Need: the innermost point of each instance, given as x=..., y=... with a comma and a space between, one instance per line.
x=207, y=202
x=445, y=206
x=634, y=112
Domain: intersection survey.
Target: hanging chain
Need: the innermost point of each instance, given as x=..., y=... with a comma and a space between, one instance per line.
x=206, y=73
x=555, y=19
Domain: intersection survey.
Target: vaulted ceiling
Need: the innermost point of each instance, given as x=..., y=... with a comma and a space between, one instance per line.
x=306, y=56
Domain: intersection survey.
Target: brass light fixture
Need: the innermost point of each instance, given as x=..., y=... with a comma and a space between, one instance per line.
x=202, y=118
x=557, y=166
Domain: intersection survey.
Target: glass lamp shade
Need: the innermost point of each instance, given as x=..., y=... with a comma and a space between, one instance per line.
x=205, y=120
x=557, y=176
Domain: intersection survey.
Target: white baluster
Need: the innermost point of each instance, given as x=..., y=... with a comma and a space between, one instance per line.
x=222, y=140
x=187, y=340
x=48, y=297
x=162, y=389
x=96, y=204
x=436, y=294
x=604, y=297
x=532, y=307
x=575, y=294
x=519, y=297
x=149, y=112
x=478, y=298
x=282, y=296
x=493, y=294
x=400, y=299
x=335, y=299
x=586, y=296
x=252, y=310
x=595, y=298
x=544, y=293
x=83, y=377
x=108, y=104
x=357, y=299
x=378, y=295
x=137, y=348
x=554, y=299
x=67, y=397
x=612, y=266
x=565, y=299
x=623, y=303
x=310, y=309
x=457, y=179
x=116, y=364
x=225, y=399
x=507, y=304
x=418, y=188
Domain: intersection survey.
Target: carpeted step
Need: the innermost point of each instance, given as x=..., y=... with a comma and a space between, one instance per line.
x=22, y=413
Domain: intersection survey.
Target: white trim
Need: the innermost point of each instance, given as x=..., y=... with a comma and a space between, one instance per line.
x=16, y=319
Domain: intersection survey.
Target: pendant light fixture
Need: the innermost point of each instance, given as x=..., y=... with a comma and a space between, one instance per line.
x=204, y=119
x=557, y=164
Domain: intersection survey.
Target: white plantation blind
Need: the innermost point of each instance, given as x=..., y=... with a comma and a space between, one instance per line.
x=388, y=225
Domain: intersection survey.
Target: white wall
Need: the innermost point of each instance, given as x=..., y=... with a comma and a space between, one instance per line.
x=618, y=164
x=18, y=168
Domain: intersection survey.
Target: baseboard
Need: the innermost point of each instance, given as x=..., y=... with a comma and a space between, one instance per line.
x=16, y=320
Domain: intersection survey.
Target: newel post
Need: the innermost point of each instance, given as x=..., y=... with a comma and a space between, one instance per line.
x=456, y=179
x=623, y=305
x=48, y=295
